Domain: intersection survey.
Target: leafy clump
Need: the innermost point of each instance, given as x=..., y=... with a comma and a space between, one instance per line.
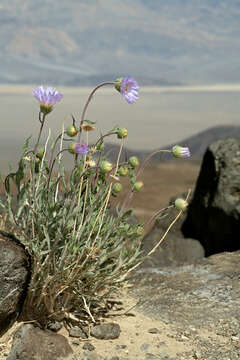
x=81, y=248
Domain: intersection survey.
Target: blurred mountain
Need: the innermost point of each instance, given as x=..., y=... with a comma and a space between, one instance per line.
x=197, y=144
x=81, y=42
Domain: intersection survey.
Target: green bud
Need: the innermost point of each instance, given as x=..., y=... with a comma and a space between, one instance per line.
x=71, y=148
x=118, y=83
x=45, y=109
x=71, y=130
x=123, y=171
x=140, y=230
x=105, y=166
x=100, y=146
x=117, y=187
x=122, y=133
x=37, y=165
x=40, y=153
x=133, y=161
x=137, y=186
x=181, y=204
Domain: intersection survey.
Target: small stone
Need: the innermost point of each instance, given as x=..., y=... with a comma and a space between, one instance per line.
x=88, y=346
x=75, y=342
x=77, y=332
x=154, y=331
x=112, y=358
x=106, y=331
x=144, y=347
x=90, y=356
x=119, y=347
x=150, y=356
x=55, y=326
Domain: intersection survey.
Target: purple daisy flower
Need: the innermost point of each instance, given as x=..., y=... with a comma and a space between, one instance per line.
x=47, y=97
x=181, y=152
x=81, y=149
x=129, y=89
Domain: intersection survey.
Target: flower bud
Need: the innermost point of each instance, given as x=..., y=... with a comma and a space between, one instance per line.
x=71, y=130
x=37, y=165
x=122, y=133
x=88, y=127
x=133, y=161
x=123, y=171
x=91, y=163
x=105, y=166
x=181, y=204
x=118, y=83
x=117, y=187
x=45, y=109
x=137, y=186
x=40, y=153
x=140, y=230
x=100, y=146
x=180, y=152
x=71, y=148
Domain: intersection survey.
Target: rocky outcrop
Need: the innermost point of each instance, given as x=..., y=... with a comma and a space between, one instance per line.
x=214, y=212
x=200, y=303
x=14, y=277
x=31, y=342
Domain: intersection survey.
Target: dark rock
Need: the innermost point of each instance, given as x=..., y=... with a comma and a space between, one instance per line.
x=106, y=331
x=154, y=331
x=31, y=342
x=88, y=346
x=14, y=278
x=77, y=332
x=214, y=212
x=175, y=249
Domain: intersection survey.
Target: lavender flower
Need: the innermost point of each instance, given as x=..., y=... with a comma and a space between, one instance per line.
x=128, y=87
x=180, y=152
x=47, y=97
x=81, y=149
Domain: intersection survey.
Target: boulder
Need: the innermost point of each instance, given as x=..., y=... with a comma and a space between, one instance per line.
x=31, y=342
x=214, y=213
x=14, y=278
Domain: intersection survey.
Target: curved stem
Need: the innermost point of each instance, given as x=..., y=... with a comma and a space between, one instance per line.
x=40, y=133
x=88, y=102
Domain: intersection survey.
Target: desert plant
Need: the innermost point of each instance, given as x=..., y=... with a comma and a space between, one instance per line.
x=81, y=249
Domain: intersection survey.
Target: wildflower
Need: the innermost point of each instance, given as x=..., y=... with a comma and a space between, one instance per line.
x=137, y=186
x=180, y=152
x=128, y=87
x=78, y=148
x=47, y=97
x=133, y=161
x=122, y=133
x=81, y=149
x=71, y=130
x=105, y=166
x=181, y=204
